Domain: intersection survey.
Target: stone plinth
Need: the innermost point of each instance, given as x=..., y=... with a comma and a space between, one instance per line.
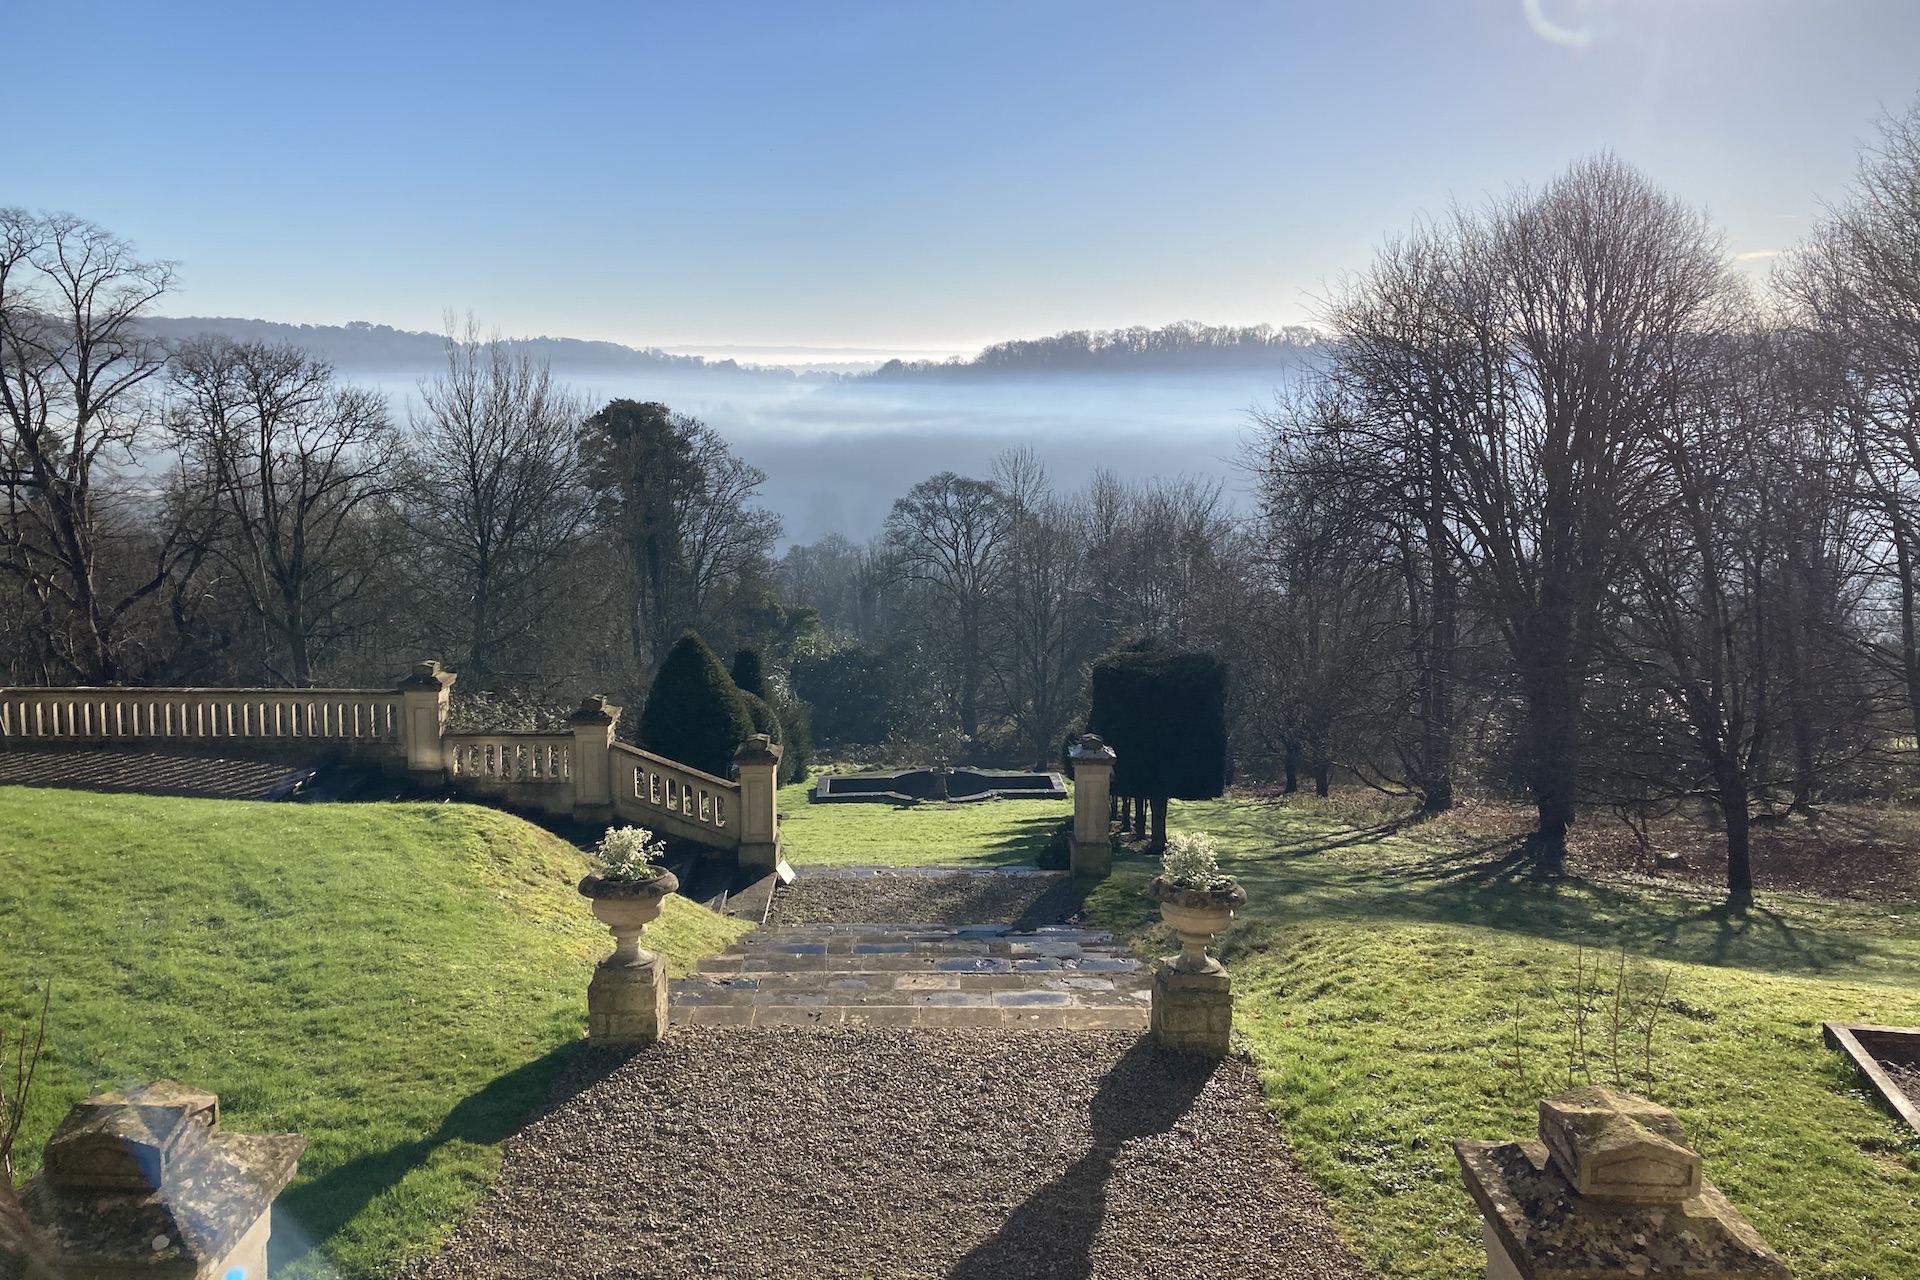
x=1611, y=1189
x=1192, y=1012
x=142, y=1182
x=627, y=1001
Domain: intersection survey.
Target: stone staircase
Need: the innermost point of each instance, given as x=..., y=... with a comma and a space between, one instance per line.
x=918, y=975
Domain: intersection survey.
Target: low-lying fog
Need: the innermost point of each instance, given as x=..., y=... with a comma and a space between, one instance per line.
x=838, y=453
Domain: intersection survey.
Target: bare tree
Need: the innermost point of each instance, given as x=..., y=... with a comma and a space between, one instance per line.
x=1856, y=288
x=947, y=534
x=1566, y=319
x=74, y=402
x=500, y=500
x=290, y=463
x=1037, y=661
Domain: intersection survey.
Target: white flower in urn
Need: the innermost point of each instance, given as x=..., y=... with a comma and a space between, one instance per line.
x=1192, y=861
x=628, y=887
x=1196, y=897
x=629, y=855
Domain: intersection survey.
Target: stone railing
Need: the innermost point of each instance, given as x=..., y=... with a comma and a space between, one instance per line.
x=654, y=791
x=535, y=769
x=582, y=772
x=346, y=718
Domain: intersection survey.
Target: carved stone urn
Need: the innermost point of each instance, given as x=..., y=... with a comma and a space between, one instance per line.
x=1196, y=915
x=627, y=907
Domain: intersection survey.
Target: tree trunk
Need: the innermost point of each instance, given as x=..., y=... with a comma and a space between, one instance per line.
x=1139, y=818
x=1553, y=724
x=1322, y=779
x=1437, y=679
x=1159, y=824
x=1293, y=767
x=1909, y=617
x=1735, y=808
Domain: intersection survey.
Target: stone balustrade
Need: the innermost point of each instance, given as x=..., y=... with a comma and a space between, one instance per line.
x=346, y=718
x=582, y=772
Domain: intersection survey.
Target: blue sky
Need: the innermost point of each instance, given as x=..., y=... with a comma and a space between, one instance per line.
x=900, y=175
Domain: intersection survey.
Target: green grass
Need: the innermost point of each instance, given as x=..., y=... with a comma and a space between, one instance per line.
x=398, y=982
x=983, y=832
x=1377, y=973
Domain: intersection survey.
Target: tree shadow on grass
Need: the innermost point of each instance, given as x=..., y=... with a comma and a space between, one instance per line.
x=309, y=1214
x=1052, y=1234
x=1495, y=884
x=1023, y=840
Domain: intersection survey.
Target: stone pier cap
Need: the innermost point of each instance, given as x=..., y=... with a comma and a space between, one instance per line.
x=1611, y=1189
x=144, y=1179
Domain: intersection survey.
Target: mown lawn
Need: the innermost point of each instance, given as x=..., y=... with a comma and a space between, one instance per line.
x=398, y=982
x=1380, y=977
x=982, y=832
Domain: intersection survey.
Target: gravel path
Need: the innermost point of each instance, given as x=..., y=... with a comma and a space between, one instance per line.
x=890, y=1154
x=865, y=895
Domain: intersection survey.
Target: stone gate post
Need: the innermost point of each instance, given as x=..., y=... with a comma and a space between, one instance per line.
x=1092, y=806
x=593, y=726
x=1611, y=1188
x=758, y=764
x=144, y=1181
x=423, y=718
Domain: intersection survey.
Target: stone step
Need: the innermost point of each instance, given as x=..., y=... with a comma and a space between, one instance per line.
x=910, y=974
x=817, y=962
x=840, y=993
x=1059, y=980
x=1069, y=1018
x=859, y=935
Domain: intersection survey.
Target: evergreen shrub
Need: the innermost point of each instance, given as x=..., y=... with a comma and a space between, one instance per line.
x=695, y=714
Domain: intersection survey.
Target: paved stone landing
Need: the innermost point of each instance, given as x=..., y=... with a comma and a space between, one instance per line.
x=918, y=975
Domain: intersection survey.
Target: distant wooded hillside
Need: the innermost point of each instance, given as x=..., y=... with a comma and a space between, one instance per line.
x=1185, y=345
x=360, y=345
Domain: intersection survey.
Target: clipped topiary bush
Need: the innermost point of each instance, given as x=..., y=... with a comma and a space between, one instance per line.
x=1164, y=713
x=694, y=713
x=749, y=673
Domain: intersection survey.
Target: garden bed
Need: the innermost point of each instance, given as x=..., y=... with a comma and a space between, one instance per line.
x=1889, y=1057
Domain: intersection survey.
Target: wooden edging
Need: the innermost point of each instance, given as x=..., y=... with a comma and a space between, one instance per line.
x=1843, y=1036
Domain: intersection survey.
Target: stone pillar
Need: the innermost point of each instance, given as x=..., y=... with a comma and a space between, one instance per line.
x=1092, y=806
x=757, y=764
x=593, y=725
x=1611, y=1188
x=423, y=718
x=142, y=1181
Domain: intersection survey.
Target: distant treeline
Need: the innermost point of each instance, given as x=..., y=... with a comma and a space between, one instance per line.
x=1184, y=345
x=362, y=346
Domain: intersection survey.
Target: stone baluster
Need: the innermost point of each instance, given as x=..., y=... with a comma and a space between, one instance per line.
x=1092, y=806
x=593, y=726
x=143, y=1182
x=423, y=718
x=1611, y=1188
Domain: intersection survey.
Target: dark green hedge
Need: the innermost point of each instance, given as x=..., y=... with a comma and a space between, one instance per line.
x=1164, y=713
x=749, y=673
x=694, y=713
